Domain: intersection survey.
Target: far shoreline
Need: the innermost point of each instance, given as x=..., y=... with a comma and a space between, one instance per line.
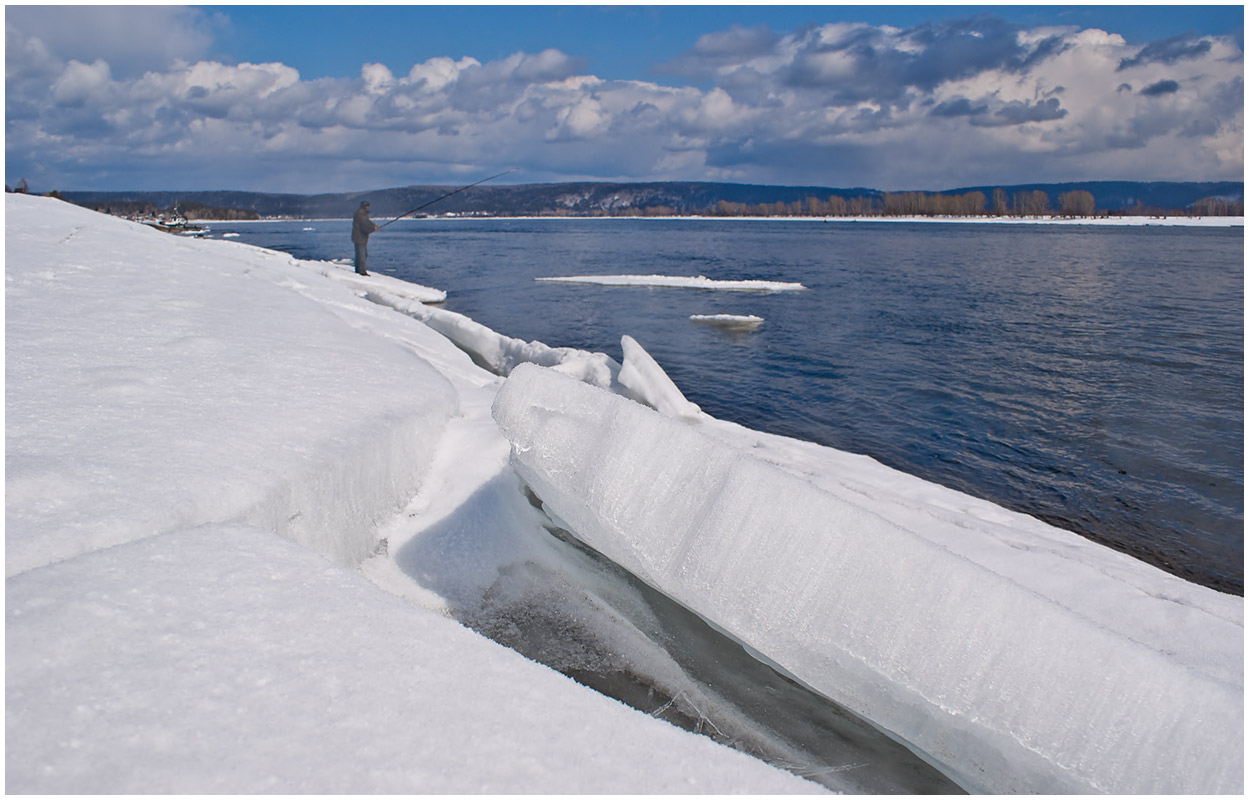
x=1115, y=221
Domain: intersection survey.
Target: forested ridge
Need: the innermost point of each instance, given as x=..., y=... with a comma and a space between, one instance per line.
x=590, y=199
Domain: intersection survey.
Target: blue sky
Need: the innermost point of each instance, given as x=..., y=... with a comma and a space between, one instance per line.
x=336, y=98
x=618, y=42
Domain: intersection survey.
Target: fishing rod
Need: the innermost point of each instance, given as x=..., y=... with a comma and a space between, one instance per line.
x=445, y=196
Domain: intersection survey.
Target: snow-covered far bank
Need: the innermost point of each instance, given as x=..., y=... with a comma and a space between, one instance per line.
x=171, y=404
x=1112, y=221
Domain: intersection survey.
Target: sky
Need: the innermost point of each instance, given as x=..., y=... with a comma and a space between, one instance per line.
x=316, y=98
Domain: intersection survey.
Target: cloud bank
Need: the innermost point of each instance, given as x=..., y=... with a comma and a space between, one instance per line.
x=936, y=106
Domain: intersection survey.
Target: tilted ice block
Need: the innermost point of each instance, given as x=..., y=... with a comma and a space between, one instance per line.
x=642, y=379
x=1002, y=686
x=500, y=354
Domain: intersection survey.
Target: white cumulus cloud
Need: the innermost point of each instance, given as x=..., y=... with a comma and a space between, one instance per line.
x=936, y=106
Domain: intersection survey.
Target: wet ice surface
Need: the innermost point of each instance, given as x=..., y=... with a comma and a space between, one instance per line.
x=741, y=701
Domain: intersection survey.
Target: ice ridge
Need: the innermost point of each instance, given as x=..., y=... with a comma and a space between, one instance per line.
x=1001, y=685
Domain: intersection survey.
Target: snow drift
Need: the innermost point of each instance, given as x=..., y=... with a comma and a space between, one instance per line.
x=1010, y=685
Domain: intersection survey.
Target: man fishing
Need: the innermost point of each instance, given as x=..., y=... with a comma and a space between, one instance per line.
x=361, y=227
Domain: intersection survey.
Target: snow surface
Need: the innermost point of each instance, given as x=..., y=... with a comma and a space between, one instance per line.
x=250, y=401
x=1019, y=657
x=223, y=659
x=678, y=282
x=171, y=404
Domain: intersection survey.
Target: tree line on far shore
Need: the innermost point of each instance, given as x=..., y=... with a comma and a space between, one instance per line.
x=675, y=199
x=191, y=210
x=1035, y=203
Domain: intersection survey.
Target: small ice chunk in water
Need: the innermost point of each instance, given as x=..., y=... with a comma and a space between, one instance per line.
x=729, y=321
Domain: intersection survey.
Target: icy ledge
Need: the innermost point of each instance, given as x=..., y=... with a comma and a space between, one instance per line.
x=1008, y=689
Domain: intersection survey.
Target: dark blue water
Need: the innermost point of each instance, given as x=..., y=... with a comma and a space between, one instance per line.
x=1089, y=376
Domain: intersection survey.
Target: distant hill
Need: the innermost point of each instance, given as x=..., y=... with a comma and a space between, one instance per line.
x=594, y=198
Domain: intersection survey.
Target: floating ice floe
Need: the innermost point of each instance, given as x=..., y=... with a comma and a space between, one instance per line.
x=730, y=321
x=678, y=282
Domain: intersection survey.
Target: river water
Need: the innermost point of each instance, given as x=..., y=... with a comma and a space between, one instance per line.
x=1090, y=376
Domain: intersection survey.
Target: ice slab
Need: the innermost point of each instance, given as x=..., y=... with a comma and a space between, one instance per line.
x=639, y=377
x=679, y=282
x=644, y=380
x=1008, y=688
x=501, y=354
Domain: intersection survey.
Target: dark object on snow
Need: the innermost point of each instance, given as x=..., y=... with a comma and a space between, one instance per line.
x=361, y=227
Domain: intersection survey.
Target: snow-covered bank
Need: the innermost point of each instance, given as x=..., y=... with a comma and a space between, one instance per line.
x=173, y=403
x=463, y=540
x=143, y=383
